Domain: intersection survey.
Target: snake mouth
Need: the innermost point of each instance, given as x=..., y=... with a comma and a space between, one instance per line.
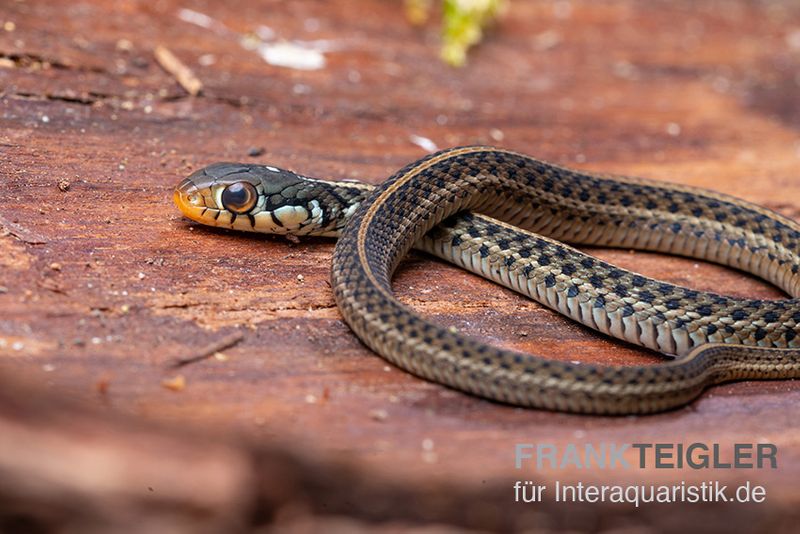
x=190, y=201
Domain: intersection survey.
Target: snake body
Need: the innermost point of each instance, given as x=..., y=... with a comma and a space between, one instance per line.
x=503, y=215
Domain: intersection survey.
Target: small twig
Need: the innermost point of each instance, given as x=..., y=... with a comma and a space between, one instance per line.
x=182, y=74
x=209, y=350
x=51, y=285
x=22, y=233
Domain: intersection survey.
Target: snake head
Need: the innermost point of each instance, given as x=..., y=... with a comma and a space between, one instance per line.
x=254, y=198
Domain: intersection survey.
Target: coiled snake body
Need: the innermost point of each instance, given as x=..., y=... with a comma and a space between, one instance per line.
x=443, y=204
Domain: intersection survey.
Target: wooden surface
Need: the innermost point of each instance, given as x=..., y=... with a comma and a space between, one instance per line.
x=104, y=285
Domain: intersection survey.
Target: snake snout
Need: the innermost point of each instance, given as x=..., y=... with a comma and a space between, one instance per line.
x=189, y=200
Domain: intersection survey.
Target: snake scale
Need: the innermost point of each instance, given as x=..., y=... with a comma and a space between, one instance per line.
x=503, y=215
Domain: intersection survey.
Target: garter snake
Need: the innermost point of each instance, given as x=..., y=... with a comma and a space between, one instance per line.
x=503, y=215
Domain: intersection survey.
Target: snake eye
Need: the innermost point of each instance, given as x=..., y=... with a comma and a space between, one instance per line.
x=239, y=197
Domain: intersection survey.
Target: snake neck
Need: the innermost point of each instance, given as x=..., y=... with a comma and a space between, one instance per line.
x=337, y=200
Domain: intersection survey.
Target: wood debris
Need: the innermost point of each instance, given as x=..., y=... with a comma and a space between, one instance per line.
x=182, y=74
x=209, y=350
x=176, y=383
x=23, y=234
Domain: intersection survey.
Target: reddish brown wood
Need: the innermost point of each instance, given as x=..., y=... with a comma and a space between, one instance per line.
x=698, y=93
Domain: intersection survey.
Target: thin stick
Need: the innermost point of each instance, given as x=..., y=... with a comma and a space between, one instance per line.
x=209, y=350
x=182, y=74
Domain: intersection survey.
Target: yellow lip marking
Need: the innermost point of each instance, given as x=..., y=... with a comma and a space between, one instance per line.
x=193, y=211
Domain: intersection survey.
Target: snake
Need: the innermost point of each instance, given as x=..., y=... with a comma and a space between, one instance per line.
x=515, y=219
